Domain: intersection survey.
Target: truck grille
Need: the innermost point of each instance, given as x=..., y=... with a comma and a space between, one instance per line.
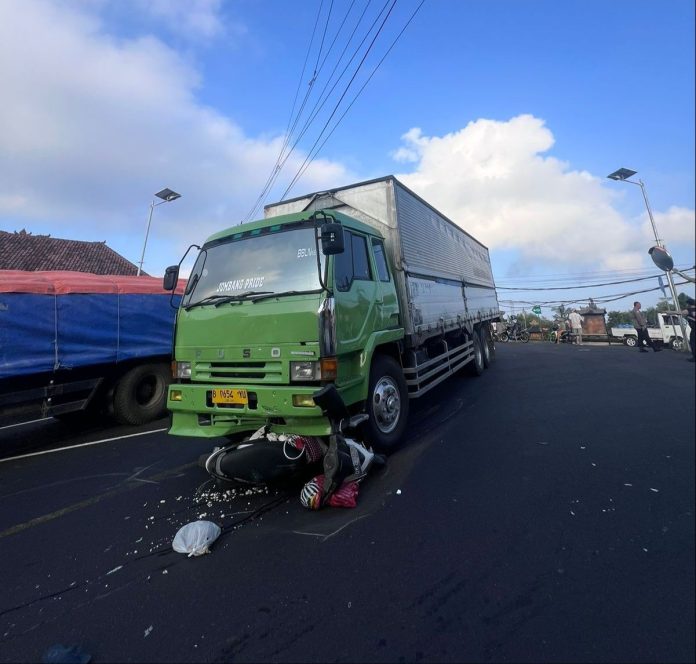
x=240, y=371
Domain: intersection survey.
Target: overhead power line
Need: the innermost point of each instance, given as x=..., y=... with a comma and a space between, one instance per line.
x=612, y=297
x=311, y=157
x=286, y=151
x=606, y=283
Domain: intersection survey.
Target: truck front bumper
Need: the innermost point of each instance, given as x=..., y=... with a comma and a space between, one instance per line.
x=193, y=413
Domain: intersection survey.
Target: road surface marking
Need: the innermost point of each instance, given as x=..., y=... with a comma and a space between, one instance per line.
x=21, y=424
x=72, y=447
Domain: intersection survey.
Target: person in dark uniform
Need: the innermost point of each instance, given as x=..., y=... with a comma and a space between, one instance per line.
x=690, y=313
x=640, y=322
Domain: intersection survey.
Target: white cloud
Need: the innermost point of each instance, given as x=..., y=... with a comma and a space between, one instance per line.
x=494, y=179
x=675, y=226
x=92, y=124
x=190, y=17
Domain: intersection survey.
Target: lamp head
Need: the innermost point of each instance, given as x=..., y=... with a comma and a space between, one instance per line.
x=622, y=174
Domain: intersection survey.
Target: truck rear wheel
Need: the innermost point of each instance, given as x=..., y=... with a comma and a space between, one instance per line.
x=141, y=394
x=486, y=345
x=631, y=341
x=476, y=366
x=677, y=343
x=387, y=404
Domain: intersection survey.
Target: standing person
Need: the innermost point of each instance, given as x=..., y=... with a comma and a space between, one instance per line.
x=690, y=313
x=576, y=324
x=640, y=322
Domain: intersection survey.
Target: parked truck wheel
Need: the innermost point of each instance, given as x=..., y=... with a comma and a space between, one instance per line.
x=387, y=404
x=476, y=366
x=677, y=343
x=141, y=394
x=485, y=347
x=631, y=341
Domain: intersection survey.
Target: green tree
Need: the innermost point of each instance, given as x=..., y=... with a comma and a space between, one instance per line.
x=616, y=318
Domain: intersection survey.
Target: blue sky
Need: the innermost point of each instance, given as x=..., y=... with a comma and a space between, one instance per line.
x=507, y=116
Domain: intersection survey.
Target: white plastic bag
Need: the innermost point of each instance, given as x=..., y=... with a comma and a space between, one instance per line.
x=194, y=538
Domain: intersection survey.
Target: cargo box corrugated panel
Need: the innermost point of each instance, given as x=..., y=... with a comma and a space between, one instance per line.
x=431, y=244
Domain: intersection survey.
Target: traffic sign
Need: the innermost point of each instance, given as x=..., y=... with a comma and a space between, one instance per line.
x=537, y=310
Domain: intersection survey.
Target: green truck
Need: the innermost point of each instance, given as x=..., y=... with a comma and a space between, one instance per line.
x=366, y=286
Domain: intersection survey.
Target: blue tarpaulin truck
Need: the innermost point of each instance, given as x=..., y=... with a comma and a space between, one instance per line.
x=73, y=343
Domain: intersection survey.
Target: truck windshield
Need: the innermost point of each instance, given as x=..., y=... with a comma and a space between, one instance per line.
x=251, y=266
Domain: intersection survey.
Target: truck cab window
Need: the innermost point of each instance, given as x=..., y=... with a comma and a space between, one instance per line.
x=343, y=265
x=353, y=263
x=361, y=263
x=380, y=259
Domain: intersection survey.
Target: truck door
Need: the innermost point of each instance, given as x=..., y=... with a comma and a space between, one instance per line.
x=387, y=305
x=356, y=294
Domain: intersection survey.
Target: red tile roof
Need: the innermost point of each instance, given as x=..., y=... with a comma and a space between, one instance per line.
x=24, y=251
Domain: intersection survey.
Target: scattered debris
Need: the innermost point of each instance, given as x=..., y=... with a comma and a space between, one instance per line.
x=398, y=492
x=655, y=490
x=147, y=632
x=627, y=484
x=115, y=569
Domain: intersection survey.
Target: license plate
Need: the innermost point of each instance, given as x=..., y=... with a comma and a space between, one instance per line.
x=225, y=396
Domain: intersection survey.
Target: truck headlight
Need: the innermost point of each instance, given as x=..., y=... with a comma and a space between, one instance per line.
x=182, y=370
x=302, y=372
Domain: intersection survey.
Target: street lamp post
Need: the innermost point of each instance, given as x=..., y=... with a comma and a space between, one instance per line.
x=167, y=196
x=623, y=175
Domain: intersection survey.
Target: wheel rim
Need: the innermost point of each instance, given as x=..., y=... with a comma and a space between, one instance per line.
x=386, y=404
x=677, y=344
x=148, y=391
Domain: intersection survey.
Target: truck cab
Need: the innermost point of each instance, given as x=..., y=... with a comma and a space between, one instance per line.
x=270, y=314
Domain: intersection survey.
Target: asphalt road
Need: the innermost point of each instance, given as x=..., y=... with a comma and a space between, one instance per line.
x=541, y=512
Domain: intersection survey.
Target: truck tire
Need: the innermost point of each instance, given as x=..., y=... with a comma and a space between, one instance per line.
x=485, y=347
x=140, y=395
x=387, y=404
x=677, y=343
x=476, y=366
x=631, y=341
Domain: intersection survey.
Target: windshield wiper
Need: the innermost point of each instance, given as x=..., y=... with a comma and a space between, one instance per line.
x=217, y=300
x=267, y=295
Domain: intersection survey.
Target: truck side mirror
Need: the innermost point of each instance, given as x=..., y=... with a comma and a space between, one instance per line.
x=171, y=278
x=332, y=239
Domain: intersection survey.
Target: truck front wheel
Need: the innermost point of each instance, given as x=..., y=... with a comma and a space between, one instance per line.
x=387, y=404
x=631, y=341
x=677, y=343
x=141, y=394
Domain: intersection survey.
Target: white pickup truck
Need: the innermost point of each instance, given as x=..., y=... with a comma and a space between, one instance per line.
x=668, y=333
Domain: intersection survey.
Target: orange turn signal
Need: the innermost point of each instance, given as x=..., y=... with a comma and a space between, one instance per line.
x=329, y=368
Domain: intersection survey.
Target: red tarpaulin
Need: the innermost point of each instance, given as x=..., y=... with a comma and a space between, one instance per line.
x=63, y=282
